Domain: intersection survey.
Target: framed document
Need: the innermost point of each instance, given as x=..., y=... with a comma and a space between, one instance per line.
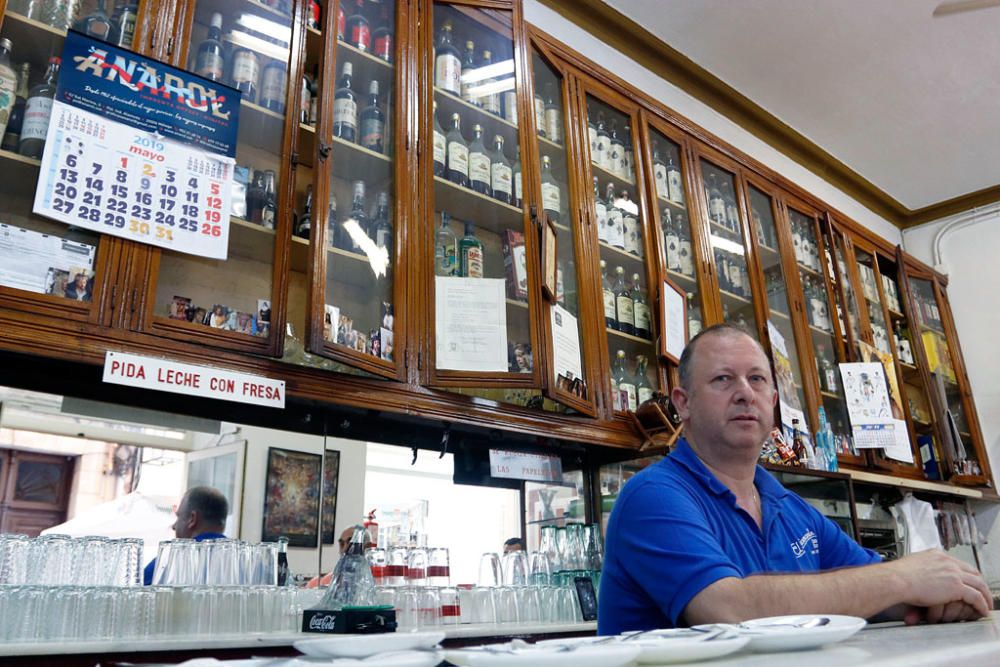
x=549, y=265
x=673, y=323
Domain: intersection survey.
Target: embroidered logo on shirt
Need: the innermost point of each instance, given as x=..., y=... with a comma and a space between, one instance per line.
x=807, y=540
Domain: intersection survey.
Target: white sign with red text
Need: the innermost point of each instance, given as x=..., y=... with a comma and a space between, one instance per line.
x=134, y=370
x=530, y=467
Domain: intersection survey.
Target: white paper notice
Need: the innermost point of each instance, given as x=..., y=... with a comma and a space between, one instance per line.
x=900, y=449
x=868, y=405
x=471, y=324
x=674, y=324
x=31, y=261
x=788, y=398
x=566, y=344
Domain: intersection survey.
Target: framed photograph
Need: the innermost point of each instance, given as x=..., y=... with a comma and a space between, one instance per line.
x=292, y=497
x=549, y=265
x=331, y=479
x=179, y=308
x=80, y=284
x=673, y=325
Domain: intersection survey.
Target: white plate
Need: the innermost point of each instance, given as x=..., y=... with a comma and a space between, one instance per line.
x=766, y=634
x=606, y=655
x=363, y=646
x=662, y=647
x=423, y=658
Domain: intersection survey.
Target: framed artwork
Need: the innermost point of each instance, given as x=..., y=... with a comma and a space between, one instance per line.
x=549, y=264
x=673, y=325
x=331, y=478
x=291, y=497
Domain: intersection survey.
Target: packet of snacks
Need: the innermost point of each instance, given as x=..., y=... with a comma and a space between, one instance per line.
x=779, y=451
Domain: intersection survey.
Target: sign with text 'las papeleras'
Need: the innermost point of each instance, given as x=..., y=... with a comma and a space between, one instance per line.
x=139, y=149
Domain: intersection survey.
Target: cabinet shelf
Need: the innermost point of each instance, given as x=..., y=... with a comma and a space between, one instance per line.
x=517, y=304
x=227, y=7
x=728, y=233
x=551, y=144
x=735, y=298
x=470, y=206
x=447, y=104
x=260, y=127
x=355, y=162
x=807, y=269
x=780, y=314
x=629, y=337
x=33, y=40
x=829, y=394
x=690, y=280
x=250, y=240
x=265, y=50
x=672, y=204
x=619, y=253
x=766, y=249
x=604, y=176
x=818, y=330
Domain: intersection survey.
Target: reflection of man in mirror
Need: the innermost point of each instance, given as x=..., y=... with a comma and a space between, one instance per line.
x=80, y=288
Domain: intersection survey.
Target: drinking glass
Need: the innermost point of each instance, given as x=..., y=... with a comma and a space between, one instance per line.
x=489, y=570
x=508, y=610
x=395, y=569
x=568, y=609
x=539, y=568
x=429, y=606
x=386, y=595
x=14, y=558
x=127, y=570
x=407, y=607
x=89, y=556
x=451, y=605
x=416, y=567
x=529, y=604
x=515, y=569
x=164, y=555
x=465, y=595
x=484, y=609
x=548, y=604
x=377, y=561
x=49, y=560
x=438, y=568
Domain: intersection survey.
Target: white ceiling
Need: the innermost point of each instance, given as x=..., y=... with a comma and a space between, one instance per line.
x=909, y=102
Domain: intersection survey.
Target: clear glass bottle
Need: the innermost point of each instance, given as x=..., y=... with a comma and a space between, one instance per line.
x=501, y=174
x=640, y=308
x=447, y=64
x=458, y=153
x=490, y=100
x=479, y=163
x=630, y=225
x=616, y=151
x=269, y=207
x=660, y=173
x=616, y=219
x=694, y=316
x=37, y=112
x=627, y=394
x=599, y=155
x=373, y=121
x=716, y=204
x=601, y=212
x=610, y=310
x=357, y=216
x=643, y=389
x=553, y=115
x=345, y=106
x=516, y=171
x=352, y=583
x=210, y=61
x=470, y=252
x=440, y=145
x=15, y=119
x=9, y=85
x=551, y=191
x=445, y=248
x=624, y=308
x=382, y=227
x=671, y=241
x=469, y=93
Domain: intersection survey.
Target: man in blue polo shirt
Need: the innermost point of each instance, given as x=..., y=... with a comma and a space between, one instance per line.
x=201, y=516
x=689, y=537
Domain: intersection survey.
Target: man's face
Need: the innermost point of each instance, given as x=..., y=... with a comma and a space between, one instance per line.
x=81, y=281
x=730, y=404
x=184, y=523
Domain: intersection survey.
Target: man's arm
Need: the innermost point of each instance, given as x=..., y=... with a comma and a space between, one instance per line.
x=948, y=588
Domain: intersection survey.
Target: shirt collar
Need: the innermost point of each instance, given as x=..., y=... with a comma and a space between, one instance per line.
x=201, y=537
x=685, y=456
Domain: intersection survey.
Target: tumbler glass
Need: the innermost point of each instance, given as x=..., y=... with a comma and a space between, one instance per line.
x=377, y=561
x=438, y=568
x=416, y=567
x=395, y=569
x=451, y=605
x=508, y=610
x=539, y=568
x=429, y=606
x=484, y=608
x=515, y=569
x=489, y=570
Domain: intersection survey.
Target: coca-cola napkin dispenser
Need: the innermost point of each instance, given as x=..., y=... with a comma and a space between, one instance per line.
x=350, y=620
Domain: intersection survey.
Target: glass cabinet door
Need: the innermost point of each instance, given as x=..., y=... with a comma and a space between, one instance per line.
x=839, y=276
x=567, y=378
x=347, y=205
x=482, y=295
x=727, y=245
x=779, y=302
x=868, y=273
x=245, y=45
x=624, y=253
x=48, y=267
x=678, y=239
x=956, y=421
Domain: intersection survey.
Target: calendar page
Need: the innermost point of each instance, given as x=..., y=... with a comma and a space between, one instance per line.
x=139, y=150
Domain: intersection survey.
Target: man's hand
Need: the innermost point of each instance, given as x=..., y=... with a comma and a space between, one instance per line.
x=948, y=588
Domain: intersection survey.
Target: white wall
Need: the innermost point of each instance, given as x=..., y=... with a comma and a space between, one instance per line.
x=687, y=106
x=968, y=255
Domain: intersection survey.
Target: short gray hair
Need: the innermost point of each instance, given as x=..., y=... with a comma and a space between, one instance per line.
x=687, y=356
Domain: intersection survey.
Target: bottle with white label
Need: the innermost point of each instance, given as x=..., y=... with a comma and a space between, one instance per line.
x=551, y=191
x=599, y=154
x=616, y=219
x=686, y=251
x=592, y=136
x=601, y=212
x=671, y=242
x=610, y=311
x=490, y=100
x=640, y=308
x=660, y=173
x=797, y=241
x=616, y=151
x=447, y=64
x=694, y=316
x=716, y=204
x=37, y=112
x=732, y=214
x=627, y=395
x=553, y=115
x=674, y=184
x=628, y=163
x=469, y=88
x=624, y=307
x=457, y=153
x=345, y=106
x=540, y=125
x=516, y=176
x=440, y=145
x=644, y=390
x=470, y=252
x=501, y=175
x=630, y=222
x=244, y=73
x=8, y=84
x=479, y=163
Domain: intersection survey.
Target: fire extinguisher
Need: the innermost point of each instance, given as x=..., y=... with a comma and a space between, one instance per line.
x=371, y=528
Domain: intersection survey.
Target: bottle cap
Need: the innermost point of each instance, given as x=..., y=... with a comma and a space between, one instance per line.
x=347, y=70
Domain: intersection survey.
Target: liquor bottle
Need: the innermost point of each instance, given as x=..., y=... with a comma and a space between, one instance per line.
x=273, y=86
x=716, y=204
x=447, y=65
x=305, y=98
x=827, y=370
x=123, y=22
x=269, y=207
x=12, y=135
x=489, y=101
x=255, y=197
x=304, y=225
x=516, y=171
x=610, y=310
x=797, y=241
x=37, y=111
x=508, y=102
x=616, y=151
x=313, y=16
x=479, y=163
x=383, y=42
x=332, y=228
x=540, y=125
x=341, y=21
x=736, y=284
x=284, y=578
x=616, y=219
x=382, y=228
x=628, y=162
x=758, y=226
x=96, y=24
x=210, y=61
x=592, y=134
x=470, y=253
x=732, y=214
x=694, y=316
x=314, y=97
x=627, y=398
x=245, y=73
x=501, y=175
x=660, y=173
x=345, y=106
x=553, y=115
x=357, y=29
x=798, y=444
x=601, y=213
x=599, y=155
x=551, y=191
x=373, y=121
x=9, y=85
x=469, y=93
x=445, y=248
x=643, y=389
x=440, y=145
x=722, y=269
x=458, y=153
x=630, y=222
x=624, y=308
x=640, y=308
x=357, y=214
x=686, y=251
